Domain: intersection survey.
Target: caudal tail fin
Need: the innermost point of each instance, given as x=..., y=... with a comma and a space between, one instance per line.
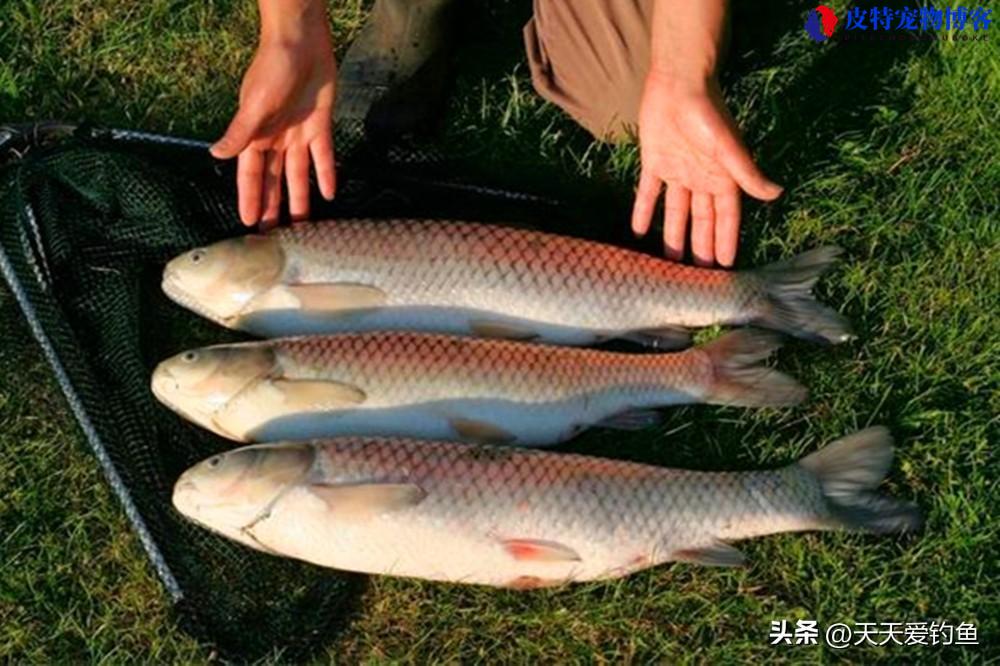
x=740, y=380
x=848, y=471
x=790, y=305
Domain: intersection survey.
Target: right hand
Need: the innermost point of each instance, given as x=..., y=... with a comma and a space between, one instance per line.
x=689, y=143
x=285, y=118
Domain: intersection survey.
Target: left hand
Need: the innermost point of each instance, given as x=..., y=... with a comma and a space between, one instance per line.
x=689, y=142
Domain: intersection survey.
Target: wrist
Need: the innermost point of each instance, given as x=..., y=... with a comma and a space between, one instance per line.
x=293, y=22
x=686, y=41
x=687, y=80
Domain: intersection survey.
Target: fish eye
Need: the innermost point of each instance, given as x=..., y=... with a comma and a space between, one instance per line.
x=189, y=357
x=197, y=256
x=215, y=462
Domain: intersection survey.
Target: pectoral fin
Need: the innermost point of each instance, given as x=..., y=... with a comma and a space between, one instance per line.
x=313, y=395
x=497, y=329
x=366, y=500
x=272, y=399
x=717, y=554
x=539, y=551
x=481, y=431
x=325, y=297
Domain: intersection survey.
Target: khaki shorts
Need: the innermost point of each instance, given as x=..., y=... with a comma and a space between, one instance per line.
x=591, y=57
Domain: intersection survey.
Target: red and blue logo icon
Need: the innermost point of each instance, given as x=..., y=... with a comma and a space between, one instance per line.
x=820, y=23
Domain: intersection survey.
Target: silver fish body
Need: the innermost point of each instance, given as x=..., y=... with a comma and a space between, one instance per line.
x=466, y=278
x=444, y=387
x=522, y=518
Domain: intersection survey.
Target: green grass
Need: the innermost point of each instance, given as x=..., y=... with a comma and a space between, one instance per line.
x=889, y=150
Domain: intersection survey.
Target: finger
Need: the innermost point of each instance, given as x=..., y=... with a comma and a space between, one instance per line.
x=321, y=149
x=727, y=227
x=735, y=158
x=702, y=229
x=677, y=205
x=645, y=201
x=241, y=131
x=297, y=177
x=249, y=184
x=272, y=189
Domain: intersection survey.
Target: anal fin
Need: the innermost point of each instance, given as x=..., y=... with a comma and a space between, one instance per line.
x=716, y=554
x=665, y=337
x=634, y=419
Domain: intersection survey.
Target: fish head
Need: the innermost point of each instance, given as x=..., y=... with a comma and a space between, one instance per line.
x=198, y=383
x=218, y=281
x=232, y=491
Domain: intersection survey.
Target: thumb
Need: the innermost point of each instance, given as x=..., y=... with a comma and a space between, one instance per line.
x=737, y=161
x=240, y=132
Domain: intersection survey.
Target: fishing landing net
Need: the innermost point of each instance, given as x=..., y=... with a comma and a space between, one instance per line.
x=88, y=217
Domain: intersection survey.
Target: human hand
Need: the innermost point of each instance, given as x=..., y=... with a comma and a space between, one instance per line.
x=284, y=119
x=689, y=142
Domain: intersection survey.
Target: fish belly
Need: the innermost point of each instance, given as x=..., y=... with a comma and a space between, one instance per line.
x=449, y=320
x=450, y=541
x=535, y=277
x=501, y=421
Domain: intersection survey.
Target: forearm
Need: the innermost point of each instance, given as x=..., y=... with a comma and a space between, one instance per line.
x=687, y=38
x=291, y=21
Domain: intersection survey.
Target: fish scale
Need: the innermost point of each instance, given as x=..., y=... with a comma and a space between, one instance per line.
x=556, y=278
x=437, y=386
x=470, y=278
x=390, y=364
x=522, y=518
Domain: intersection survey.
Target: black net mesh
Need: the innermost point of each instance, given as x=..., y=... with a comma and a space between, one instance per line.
x=87, y=220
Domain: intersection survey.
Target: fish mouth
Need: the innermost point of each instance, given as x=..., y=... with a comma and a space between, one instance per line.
x=161, y=379
x=161, y=383
x=185, y=500
x=170, y=285
x=183, y=489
